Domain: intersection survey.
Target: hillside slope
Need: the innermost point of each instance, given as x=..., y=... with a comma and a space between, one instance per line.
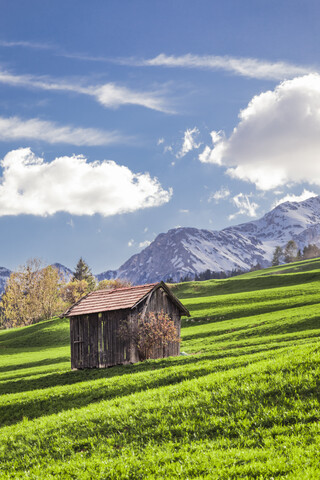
x=243, y=404
x=189, y=251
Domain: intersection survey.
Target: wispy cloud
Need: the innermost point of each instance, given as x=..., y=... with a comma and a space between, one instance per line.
x=243, y=66
x=245, y=206
x=224, y=192
x=15, y=128
x=27, y=44
x=29, y=185
x=109, y=95
x=189, y=142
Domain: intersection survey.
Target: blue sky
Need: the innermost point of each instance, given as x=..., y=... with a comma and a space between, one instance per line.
x=122, y=119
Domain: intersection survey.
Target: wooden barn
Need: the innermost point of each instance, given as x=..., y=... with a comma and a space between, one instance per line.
x=95, y=321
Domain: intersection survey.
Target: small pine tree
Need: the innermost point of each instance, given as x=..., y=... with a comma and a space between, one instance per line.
x=83, y=272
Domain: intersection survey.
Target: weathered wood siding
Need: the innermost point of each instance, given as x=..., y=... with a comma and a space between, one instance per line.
x=95, y=339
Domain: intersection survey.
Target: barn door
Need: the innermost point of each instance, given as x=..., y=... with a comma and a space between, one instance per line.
x=76, y=341
x=84, y=341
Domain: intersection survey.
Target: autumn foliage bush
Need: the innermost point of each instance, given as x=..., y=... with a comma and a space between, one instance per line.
x=31, y=294
x=37, y=292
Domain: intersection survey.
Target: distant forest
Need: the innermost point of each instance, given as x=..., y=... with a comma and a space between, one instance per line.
x=290, y=253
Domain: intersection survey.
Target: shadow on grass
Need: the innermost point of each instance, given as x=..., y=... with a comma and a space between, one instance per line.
x=36, y=407
x=243, y=284
x=50, y=333
x=244, y=313
x=78, y=376
x=40, y=363
x=260, y=329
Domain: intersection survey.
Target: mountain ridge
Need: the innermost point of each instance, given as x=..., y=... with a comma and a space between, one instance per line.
x=188, y=251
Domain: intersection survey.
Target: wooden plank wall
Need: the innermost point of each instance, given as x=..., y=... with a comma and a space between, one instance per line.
x=84, y=341
x=113, y=350
x=95, y=340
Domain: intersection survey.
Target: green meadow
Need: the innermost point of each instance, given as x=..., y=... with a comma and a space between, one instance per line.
x=241, y=403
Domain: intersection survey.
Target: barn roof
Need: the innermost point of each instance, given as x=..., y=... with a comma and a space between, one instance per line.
x=118, y=299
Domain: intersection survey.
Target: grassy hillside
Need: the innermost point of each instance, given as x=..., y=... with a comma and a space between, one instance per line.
x=244, y=402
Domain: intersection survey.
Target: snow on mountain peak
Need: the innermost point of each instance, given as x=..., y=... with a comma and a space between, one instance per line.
x=187, y=251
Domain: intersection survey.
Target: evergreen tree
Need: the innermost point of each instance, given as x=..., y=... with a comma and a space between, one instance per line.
x=83, y=272
x=277, y=256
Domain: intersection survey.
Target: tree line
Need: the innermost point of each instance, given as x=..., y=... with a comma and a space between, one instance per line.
x=37, y=292
x=292, y=253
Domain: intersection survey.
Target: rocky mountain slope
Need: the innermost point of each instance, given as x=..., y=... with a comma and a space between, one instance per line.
x=189, y=251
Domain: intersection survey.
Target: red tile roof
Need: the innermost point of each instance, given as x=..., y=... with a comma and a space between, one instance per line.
x=105, y=300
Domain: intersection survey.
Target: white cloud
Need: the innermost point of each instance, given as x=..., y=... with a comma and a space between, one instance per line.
x=112, y=96
x=295, y=198
x=144, y=244
x=15, y=128
x=160, y=141
x=71, y=184
x=244, y=205
x=109, y=95
x=168, y=148
x=243, y=66
x=183, y=210
x=26, y=44
x=247, y=67
x=277, y=140
x=224, y=192
x=189, y=142
x=218, y=141
x=131, y=242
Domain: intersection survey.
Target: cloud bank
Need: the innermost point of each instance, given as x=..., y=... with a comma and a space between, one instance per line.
x=72, y=184
x=15, y=128
x=277, y=140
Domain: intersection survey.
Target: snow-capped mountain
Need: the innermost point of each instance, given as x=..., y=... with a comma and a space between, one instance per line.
x=5, y=274
x=185, y=252
x=66, y=272
x=189, y=251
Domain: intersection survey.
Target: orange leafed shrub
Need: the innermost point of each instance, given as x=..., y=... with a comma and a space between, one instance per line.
x=151, y=330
